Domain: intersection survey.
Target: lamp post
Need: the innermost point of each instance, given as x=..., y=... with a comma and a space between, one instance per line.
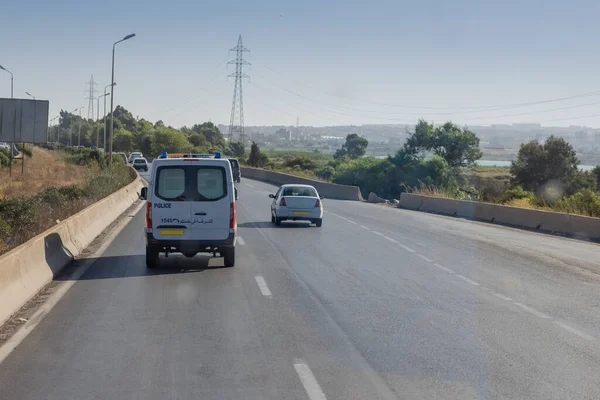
x=112, y=92
x=29, y=94
x=105, y=94
x=98, y=114
x=70, y=141
x=11, y=81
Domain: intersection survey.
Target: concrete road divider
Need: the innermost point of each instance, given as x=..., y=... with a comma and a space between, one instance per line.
x=25, y=270
x=544, y=221
x=327, y=190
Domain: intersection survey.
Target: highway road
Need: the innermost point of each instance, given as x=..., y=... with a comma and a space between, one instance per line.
x=379, y=303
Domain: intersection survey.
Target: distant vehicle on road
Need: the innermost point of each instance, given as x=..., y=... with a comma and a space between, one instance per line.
x=235, y=168
x=140, y=164
x=4, y=146
x=190, y=208
x=297, y=203
x=134, y=155
x=123, y=156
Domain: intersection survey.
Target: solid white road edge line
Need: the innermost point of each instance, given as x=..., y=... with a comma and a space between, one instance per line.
x=532, y=310
x=61, y=290
x=309, y=381
x=262, y=285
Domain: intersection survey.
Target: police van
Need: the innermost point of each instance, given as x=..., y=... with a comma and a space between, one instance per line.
x=190, y=207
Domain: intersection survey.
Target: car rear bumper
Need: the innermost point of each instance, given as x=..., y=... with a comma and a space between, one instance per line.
x=300, y=214
x=191, y=245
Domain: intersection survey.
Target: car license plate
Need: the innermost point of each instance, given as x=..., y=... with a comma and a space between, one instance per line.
x=171, y=231
x=300, y=212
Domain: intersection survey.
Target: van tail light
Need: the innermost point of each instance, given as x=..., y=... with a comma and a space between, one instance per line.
x=282, y=202
x=318, y=203
x=232, y=216
x=148, y=215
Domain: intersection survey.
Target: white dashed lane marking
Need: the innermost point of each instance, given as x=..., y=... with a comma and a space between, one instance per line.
x=464, y=278
x=440, y=266
x=262, y=285
x=407, y=248
x=310, y=383
x=500, y=296
x=425, y=258
x=532, y=310
x=574, y=330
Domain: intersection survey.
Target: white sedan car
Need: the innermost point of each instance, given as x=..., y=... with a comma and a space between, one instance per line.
x=296, y=203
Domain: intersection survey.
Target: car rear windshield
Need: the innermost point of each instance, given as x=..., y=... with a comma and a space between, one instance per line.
x=191, y=183
x=234, y=163
x=299, y=191
x=139, y=161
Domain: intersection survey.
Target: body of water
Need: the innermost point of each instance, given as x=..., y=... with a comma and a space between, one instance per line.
x=491, y=163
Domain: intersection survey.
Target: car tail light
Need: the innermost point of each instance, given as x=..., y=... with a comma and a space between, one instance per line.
x=232, y=216
x=148, y=215
x=318, y=203
x=282, y=202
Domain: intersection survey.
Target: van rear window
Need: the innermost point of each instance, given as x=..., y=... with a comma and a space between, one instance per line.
x=191, y=183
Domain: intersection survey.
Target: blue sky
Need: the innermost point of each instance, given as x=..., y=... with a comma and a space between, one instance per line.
x=343, y=62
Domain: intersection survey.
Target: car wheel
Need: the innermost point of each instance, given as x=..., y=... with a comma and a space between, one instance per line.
x=229, y=257
x=151, y=257
x=319, y=223
x=277, y=221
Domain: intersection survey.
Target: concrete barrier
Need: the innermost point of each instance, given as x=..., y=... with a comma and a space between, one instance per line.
x=327, y=190
x=25, y=270
x=544, y=221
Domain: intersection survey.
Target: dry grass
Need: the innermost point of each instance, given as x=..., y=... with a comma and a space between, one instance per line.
x=45, y=169
x=431, y=191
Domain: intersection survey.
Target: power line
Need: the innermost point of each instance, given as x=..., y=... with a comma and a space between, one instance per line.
x=480, y=108
x=423, y=114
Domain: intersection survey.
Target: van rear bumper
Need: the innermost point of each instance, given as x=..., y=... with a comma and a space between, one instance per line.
x=190, y=245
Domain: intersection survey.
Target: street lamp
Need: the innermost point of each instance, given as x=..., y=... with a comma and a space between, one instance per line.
x=112, y=92
x=98, y=114
x=70, y=142
x=105, y=94
x=29, y=94
x=11, y=81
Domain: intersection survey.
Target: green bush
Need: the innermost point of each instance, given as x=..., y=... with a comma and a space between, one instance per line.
x=300, y=162
x=25, y=150
x=325, y=172
x=5, y=231
x=516, y=194
x=20, y=213
x=585, y=202
x=4, y=157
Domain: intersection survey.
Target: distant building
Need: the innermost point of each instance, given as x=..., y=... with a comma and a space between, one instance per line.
x=284, y=134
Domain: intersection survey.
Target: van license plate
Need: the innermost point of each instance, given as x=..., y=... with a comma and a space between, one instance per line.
x=300, y=212
x=171, y=231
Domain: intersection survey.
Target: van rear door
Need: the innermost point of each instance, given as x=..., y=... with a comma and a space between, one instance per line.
x=171, y=208
x=211, y=210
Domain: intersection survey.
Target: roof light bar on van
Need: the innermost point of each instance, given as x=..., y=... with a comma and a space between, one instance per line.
x=164, y=154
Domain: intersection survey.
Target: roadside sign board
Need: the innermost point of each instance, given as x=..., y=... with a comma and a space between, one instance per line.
x=24, y=120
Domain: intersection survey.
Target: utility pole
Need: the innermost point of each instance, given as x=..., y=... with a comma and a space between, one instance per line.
x=91, y=90
x=237, y=92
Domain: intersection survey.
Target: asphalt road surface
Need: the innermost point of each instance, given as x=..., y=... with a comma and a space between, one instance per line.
x=379, y=303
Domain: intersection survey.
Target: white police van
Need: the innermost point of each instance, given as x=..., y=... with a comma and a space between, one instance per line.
x=190, y=207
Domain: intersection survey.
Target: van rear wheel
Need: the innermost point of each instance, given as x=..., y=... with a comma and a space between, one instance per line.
x=229, y=257
x=151, y=257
